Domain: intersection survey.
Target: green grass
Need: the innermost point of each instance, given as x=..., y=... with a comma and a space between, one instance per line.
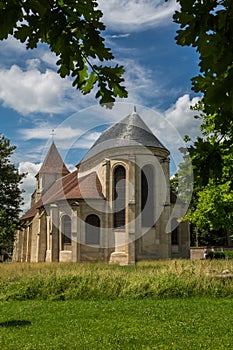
x=157, y=279
x=153, y=305
x=195, y=323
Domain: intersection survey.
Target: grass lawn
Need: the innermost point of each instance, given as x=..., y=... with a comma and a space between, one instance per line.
x=178, y=323
x=157, y=279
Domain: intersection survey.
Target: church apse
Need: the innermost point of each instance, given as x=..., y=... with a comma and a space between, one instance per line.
x=114, y=207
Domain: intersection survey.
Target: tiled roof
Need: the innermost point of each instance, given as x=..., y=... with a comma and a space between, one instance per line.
x=69, y=187
x=73, y=187
x=53, y=163
x=32, y=211
x=130, y=131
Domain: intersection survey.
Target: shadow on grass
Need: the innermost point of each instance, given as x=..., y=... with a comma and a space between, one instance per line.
x=15, y=323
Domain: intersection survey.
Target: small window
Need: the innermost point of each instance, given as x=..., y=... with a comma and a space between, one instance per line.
x=92, y=230
x=147, y=196
x=66, y=230
x=119, y=196
x=175, y=232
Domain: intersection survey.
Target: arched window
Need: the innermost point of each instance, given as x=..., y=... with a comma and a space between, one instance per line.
x=66, y=230
x=119, y=196
x=175, y=232
x=92, y=229
x=147, y=196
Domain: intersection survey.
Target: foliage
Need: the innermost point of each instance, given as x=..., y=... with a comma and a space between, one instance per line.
x=214, y=207
x=225, y=254
x=212, y=162
x=157, y=279
x=208, y=27
x=10, y=196
x=72, y=29
x=182, y=181
x=211, y=207
x=204, y=237
x=117, y=324
x=228, y=254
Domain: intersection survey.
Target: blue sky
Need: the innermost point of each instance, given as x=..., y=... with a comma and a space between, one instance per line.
x=34, y=99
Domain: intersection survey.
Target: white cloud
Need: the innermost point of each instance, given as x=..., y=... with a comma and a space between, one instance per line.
x=182, y=117
x=86, y=141
x=12, y=44
x=29, y=183
x=31, y=169
x=172, y=125
x=49, y=58
x=33, y=64
x=41, y=132
x=115, y=36
x=136, y=14
x=141, y=82
x=32, y=91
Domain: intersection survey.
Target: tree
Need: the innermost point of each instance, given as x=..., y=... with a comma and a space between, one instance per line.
x=10, y=197
x=208, y=27
x=211, y=207
x=212, y=160
x=182, y=182
x=214, y=208
x=72, y=29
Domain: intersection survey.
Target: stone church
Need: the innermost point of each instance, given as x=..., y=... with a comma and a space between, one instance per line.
x=116, y=206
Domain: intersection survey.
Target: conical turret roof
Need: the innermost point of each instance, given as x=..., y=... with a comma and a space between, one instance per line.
x=53, y=163
x=130, y=131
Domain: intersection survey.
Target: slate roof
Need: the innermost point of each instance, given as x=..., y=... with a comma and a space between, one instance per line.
x=53, y=163
x=130, y=131
x=69, y=187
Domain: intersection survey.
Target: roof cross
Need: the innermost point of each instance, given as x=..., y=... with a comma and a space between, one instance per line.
x=53, y=133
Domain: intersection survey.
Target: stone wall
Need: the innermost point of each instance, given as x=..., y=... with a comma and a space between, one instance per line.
x=197, y=253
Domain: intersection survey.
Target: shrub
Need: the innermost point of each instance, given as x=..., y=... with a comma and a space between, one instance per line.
x=227, y=254
x=218, y=255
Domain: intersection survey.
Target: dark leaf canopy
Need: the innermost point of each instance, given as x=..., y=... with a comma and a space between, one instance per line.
x=208, y=26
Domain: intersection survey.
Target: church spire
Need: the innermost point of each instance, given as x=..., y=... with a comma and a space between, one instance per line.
x=52, y=168
x=53, y=163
